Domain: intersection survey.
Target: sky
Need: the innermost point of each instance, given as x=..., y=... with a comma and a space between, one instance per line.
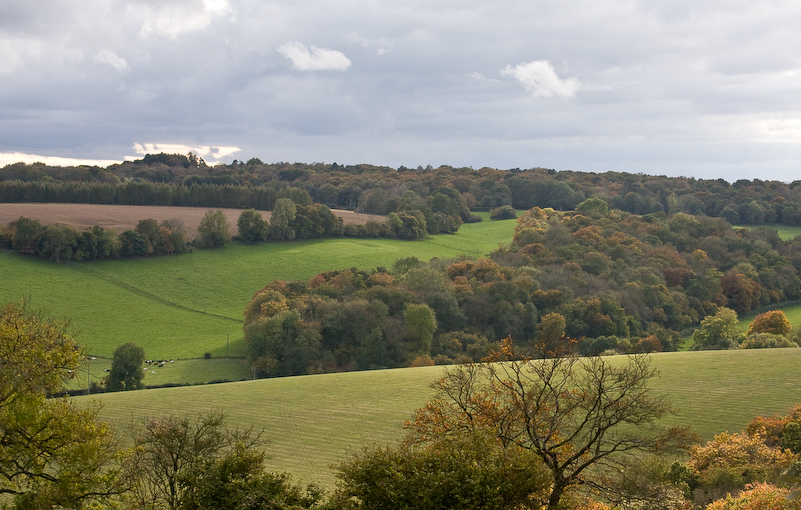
x=708, y=89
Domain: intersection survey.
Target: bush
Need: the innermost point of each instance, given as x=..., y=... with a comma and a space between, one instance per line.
x=506, y=212
x=760, y=496
x=422, y=361
x=766, y=341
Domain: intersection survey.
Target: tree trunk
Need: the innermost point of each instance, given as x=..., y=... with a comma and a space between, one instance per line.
x=556, y=495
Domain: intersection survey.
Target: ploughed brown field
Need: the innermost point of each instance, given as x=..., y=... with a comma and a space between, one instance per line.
x=125, y=217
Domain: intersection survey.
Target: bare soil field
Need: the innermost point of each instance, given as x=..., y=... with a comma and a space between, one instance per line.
x=125, y=217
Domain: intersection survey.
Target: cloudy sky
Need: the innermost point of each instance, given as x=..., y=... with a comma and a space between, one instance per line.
x=707, y=89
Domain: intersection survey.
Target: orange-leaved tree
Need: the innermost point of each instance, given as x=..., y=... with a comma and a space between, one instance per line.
x=774, y=322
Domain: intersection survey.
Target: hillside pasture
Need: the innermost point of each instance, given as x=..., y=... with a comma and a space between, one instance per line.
x=125, y=217
x=311, y=421
x=183, y=306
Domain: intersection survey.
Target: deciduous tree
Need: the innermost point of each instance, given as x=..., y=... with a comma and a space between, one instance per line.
x=251, y=226
x=238, y=481
x=213, y=229
x=455, y=472
x=719, y=331
x=281, y=219
x=578, y=415
x=774, y=322
x=171, y=454
x=52, y=453
x=126, y=368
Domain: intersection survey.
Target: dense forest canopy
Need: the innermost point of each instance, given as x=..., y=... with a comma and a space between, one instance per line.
x=585, y=281
x=172, y=179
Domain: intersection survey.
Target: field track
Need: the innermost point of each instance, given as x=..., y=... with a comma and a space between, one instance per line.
x=125, y=217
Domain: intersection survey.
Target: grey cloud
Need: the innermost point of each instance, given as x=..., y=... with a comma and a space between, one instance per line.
x=653, y=86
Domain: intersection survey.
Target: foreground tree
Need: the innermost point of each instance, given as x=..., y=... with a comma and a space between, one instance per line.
x=578, y=415
x=171, y=453
x=458, y=471
x=52, y=453
x=761, y=496
x=126, y=368
x=238, y=481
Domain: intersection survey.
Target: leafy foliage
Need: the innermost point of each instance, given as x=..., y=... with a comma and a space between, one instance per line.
x=774, y=322
x=460, y=471
x=575, y=414
x=172, y=455
x=719, y=331
x=126, y=368
x=213, y=229
x=52, y=453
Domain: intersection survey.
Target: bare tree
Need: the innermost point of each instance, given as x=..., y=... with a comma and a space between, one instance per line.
x=579, y=415
x=170, y=450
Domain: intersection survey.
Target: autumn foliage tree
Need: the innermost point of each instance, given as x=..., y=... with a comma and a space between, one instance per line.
x=774, y=322
x=52, y=453
x=760, y=496
x=578, y=415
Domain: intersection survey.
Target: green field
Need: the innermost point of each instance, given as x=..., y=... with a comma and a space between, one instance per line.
x=786, y=232
x=183, y=306
x=312, y=421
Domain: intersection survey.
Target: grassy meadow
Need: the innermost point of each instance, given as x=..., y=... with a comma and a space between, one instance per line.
x=786, y=232
x=183, y=306
x=311, y=421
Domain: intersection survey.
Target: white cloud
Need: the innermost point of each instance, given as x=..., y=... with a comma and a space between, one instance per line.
x=380, y=46
x=480, y=77
x=174, y=18
x=540, y=80
x=9, y=158
x=207, y=152
x=779, y=130
x=110, y=58
x=314, y=59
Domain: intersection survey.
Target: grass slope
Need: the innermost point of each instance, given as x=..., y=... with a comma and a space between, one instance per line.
x=183, y=306
x=312, y=421
x=786, y=232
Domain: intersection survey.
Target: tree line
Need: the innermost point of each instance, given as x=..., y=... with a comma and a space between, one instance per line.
x=173, y=179
x=288, y=221
x=508, y=432
x=587, y=281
